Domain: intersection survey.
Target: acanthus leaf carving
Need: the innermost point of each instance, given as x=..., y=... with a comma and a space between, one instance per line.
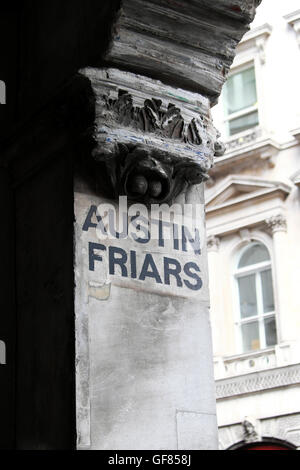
x=151, y=117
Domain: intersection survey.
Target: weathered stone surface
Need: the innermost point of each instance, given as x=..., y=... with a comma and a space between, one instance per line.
x=189, y=45
x=144, y=369
x=94, y=226
x=144, y=357
x=155, y=140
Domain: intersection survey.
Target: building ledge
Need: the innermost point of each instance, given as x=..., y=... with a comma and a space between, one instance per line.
x=236, y=189
x=296, y=134
x=255, y=145
x=293, y=19
x=280, y=355
x=296, y=178
x=262, y=31
x=258, y=381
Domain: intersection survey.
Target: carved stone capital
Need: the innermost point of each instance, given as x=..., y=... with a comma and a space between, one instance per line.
x=213, y=243
x=277, y=223
x=154, y=140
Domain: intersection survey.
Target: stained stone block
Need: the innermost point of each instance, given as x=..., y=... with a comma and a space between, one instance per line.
x=143, y=340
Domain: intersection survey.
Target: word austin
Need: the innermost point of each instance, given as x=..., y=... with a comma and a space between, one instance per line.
x=164, y=226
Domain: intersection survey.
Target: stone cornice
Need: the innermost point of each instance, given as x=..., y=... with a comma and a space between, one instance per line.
x=296, y=178
x=244, y=206
x=239, y=202
x=186, y=44
x=293, y=20
x=259, y=32
x=257, y=37
x=292, y=17
x=258, y=381
x=253, y=145
x=256, y=189
x=296, y=133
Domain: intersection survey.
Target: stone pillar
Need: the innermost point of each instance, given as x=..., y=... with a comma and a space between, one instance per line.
x=143, y=339
x=144, y=355
x=278, y=226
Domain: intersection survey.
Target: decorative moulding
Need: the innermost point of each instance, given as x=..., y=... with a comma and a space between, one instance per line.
x=154, y=140
x=257, y=38
x=245, y=363
x=293, y=19
x=296, y=178
x=261, y=31
x=254, y=145
x=296, y=134
x=237, y=188
x=282, y=427
x=243, y=202
x=258, y=381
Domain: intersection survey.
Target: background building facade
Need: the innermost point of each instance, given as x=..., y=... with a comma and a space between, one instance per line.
x=253, y=225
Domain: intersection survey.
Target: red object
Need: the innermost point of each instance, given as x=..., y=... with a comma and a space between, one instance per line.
x=268, y=447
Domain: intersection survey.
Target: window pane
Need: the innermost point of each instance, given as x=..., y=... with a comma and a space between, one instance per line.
x=247, y=291
x=250, y=336
x=270, y=331
x=240, y=91
x=243, y=123
x=254, y=254
x=267, y=290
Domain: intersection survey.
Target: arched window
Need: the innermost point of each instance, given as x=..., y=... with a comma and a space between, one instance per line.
x=256, y=321
x=266, y=443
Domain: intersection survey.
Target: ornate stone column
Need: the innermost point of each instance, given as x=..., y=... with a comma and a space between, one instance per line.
x=144, y=355
x=278, y=227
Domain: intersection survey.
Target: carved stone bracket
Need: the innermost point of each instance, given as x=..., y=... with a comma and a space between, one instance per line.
x=154, y=140
x=277, y=223
x=293, y=20
x=257, y=38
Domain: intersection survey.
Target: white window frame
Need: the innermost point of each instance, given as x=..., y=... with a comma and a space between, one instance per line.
x=250, y=52
x=245, y=111
x=260, y=316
